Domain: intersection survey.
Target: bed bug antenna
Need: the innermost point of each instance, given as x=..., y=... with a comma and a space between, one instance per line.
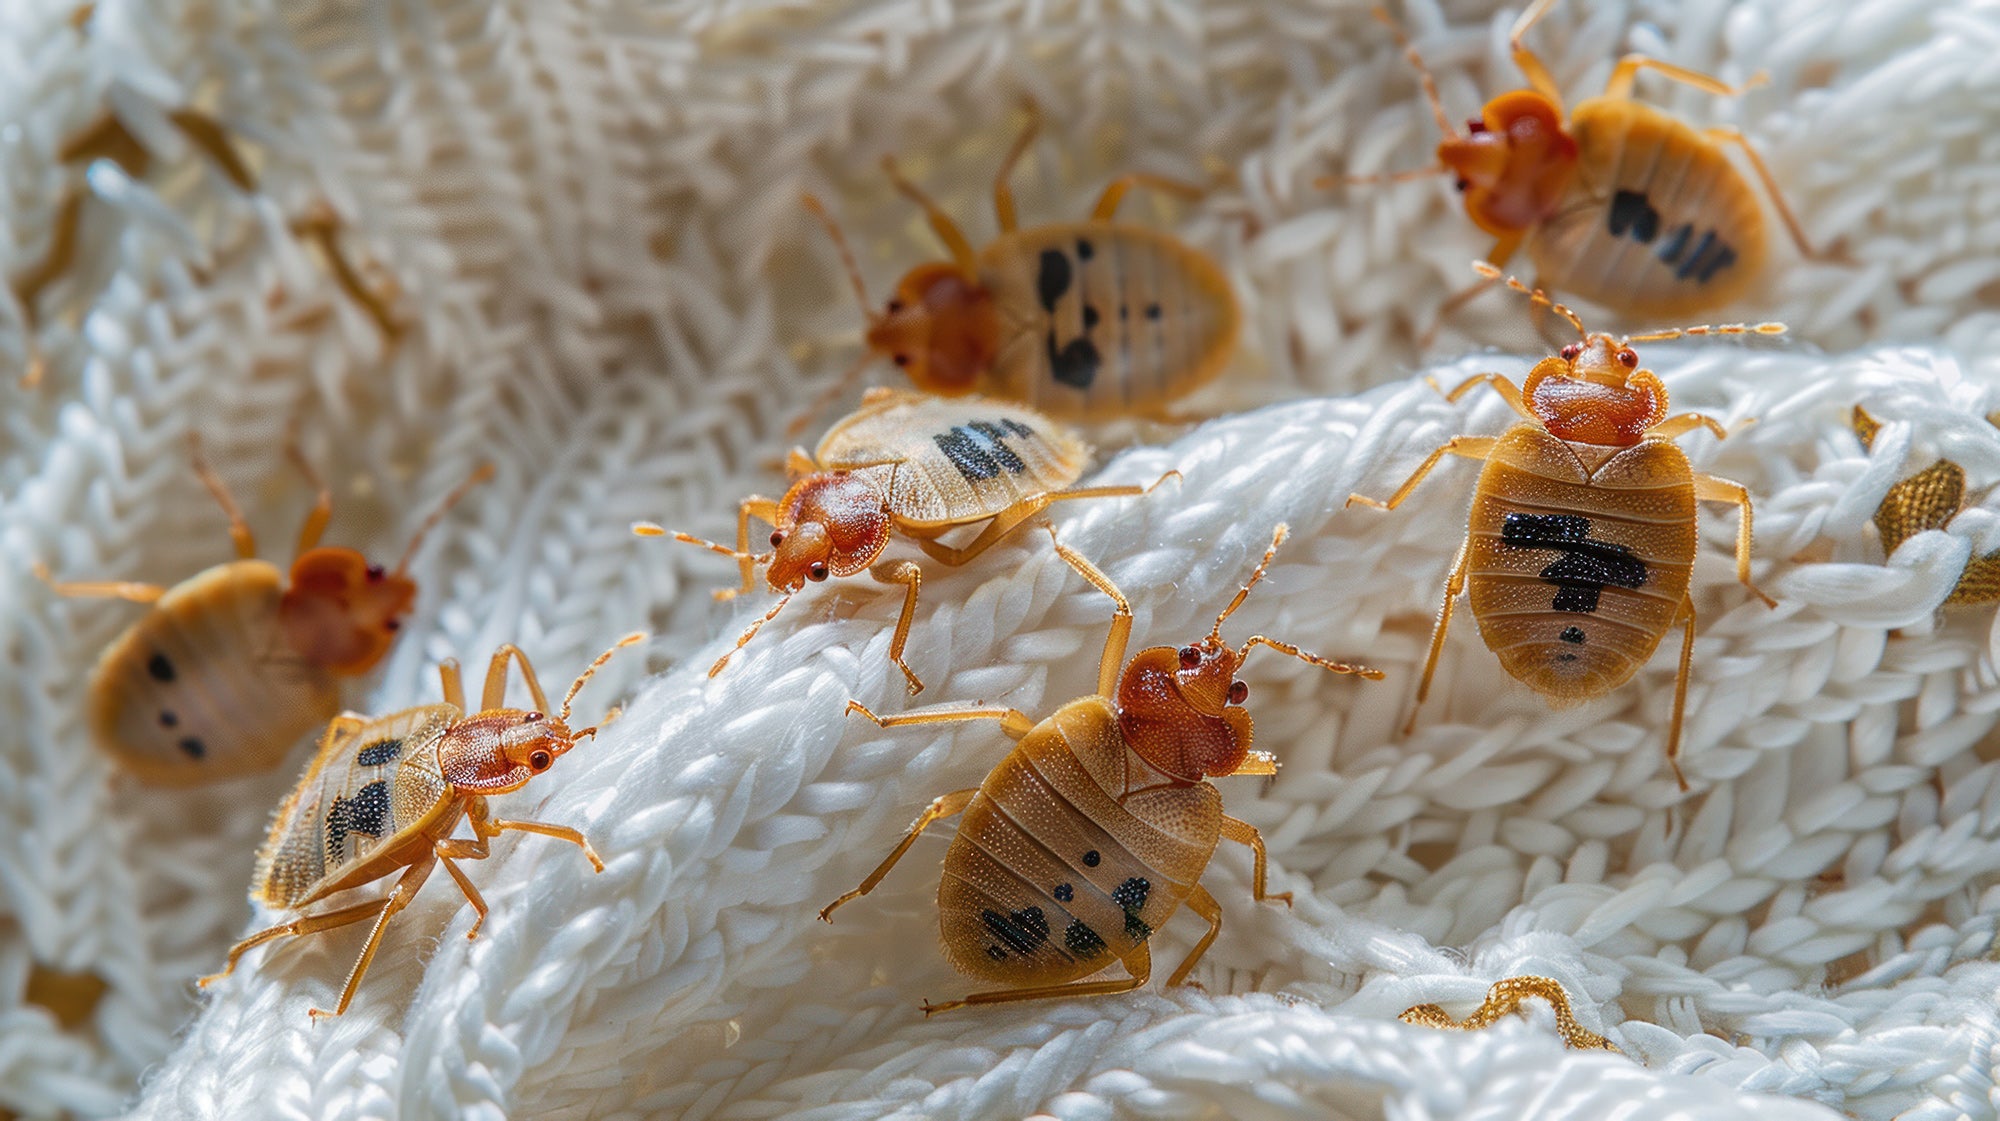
x=590, y=670
x=1429, y=82
x=853, y=267
x=1709, y=329
x=1540, y=297
x=480, y=474
x=1278, y=534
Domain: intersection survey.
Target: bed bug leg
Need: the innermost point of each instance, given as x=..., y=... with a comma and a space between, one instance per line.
x=1501, y=384
x=398, y=898
x=475, y=849
x=1507, y=996
x=1681, y=691
x=1244, y=833
x=1139, y=965
x=948, y=805
x=941, y=223
x=1528, y=61
x=1453, y=586
x=453, y=685
x=1708, y=488
x=116, y=589
x=322, y=510
x=1467, y=447
x=239, y=529
x=495, y=692
x=1202, y=903
x=1003, y=194
x=1725, y=135
x=1114, y=194
x=1012, y=721
x=1110, y=665
x=1619, y=85
x=911, y=577
x=1676, y=426
x=311, y=924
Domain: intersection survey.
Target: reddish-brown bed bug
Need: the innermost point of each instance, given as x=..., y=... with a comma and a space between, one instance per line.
x=1582, y=534
x=228, y=668
x=1620, y=203
x=383, y=794
x=1098, y=825
x=1507, y=996
x=911, y=465
x=1082, y=320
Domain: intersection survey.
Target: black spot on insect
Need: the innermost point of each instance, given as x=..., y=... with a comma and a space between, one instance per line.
x=1722, y=258
x=1676, y=243
x=379, y=752
x=1572, y=635
x=1131, y=895
x=1692, y=264
x=168, y=719
x=1021, y=931
x=160, y=668
x=1153, y=312
x=1082, y=941
x=1462, y=185
x=1084, y=250
x=977, y=450
x=1091, y=859
x=995, y=952
x=1076, y=364
x=1064, y=893
x=1586, y=566
x=1089, y=317
x=366, y=813
x=1565, y=657
x=1124, y=312
x=1052, y=279
x=192, y=747
x=1631, y=212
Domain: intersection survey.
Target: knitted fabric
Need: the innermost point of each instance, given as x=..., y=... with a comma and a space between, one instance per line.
x=584, y=216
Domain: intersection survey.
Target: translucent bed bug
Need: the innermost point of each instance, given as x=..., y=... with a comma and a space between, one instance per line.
x=1082, y=320
x=1620, y=203
x=383, y=795
x=910, y=465
x=1098, y=825
x=1507, y=996
x=1582, y=534
x=230, y=667
x=1928, y=500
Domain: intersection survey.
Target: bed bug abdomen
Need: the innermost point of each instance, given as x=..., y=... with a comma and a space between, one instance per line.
x=1574, y=574
x=1102, y=319
x=202, y=686
x=1051, y=878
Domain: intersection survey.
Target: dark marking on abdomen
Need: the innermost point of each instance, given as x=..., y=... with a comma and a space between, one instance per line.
x=192, y=747
x=1586, y=566
x=1082, y=941
x=1709, y=255
x=1023, y=931
x=366, y=813
x=1630, y=211
x=159, y=667
x=1075, y=365
x=1131, y=895
x=978, y=448
x=379, y=752
x=1052, y=278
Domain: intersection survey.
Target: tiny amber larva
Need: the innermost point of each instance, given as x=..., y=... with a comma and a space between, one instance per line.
x=1082, y=320
x=383, y=794
x=911, y=465
x=1621, y=203
x=1100, y=822
x=228, y=668
x=1582, y=535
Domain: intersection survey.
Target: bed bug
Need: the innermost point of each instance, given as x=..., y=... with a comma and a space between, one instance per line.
x=1582, y=534
x=230, y=667
x=1098, y=825
x=911, y=465
x=1082, y=320
x=1620, y=203
x=1507, y=996
x=383, y=794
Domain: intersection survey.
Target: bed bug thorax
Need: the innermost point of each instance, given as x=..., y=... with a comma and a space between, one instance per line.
x=1082, y=320
x=228, y=668
x=384, y=794
x=1582, y=538
x=1097, y=826
x=1617, y=201
x=903, y=465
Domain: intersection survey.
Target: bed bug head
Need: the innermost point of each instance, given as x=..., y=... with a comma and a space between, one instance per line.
x=1512, y=163
x=1181, y=709
x=831, y=523
x=500, y=749
x=1593, y=391
x=341, y=612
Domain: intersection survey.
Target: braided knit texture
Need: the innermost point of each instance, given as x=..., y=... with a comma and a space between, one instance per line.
x=584, y=217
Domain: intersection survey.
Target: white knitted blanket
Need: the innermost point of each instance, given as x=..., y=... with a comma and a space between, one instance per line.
x=586, y=215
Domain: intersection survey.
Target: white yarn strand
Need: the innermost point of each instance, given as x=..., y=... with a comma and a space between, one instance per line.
x=607, y=289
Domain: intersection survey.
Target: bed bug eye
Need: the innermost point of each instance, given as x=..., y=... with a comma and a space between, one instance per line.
x=539, y=760
x=895, y=306
x=900, y=359
x=376, y=572
x=533, y=717
x=1463, y=185
x=777, y=538
x=1238, y=692
x=1628, y=358
x=1190, y=657
x=817, y=571
x=392, y=624
x=1570, y=352
x=1475, y=125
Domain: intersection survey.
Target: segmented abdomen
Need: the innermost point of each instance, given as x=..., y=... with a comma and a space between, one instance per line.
x=1050, y=879
x=1657, y=223
x=1574, y=582
x=1101, y=320
x=203, y=686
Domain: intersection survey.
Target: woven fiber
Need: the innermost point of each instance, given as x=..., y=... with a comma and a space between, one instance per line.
x=583, y=220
